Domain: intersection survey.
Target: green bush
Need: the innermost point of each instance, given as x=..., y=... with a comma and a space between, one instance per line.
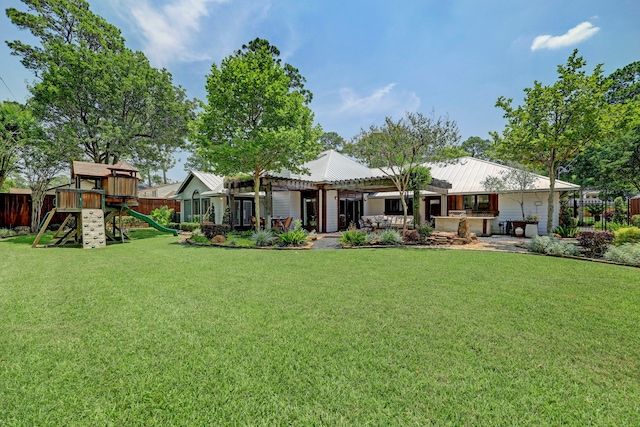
x=627, y=235
x=295, y=237
x=189, y=226
x=198, y=237
x=565, y=231
x=635, y=221
x=626, y=254
x=6, y=232
x=551, y=246
x=262, y=238
x=174, y=225
x=211, y=230
x=162, y=215
x=619, y=210
x=390, y=237
x=424, y=231
x=595, y=243
x=353, y=237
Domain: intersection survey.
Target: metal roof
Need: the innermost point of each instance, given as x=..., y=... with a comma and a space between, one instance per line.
x=332, y=166
x=214, y=183
x=468, y=172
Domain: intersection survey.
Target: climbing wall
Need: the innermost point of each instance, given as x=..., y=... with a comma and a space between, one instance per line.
x=93, y=229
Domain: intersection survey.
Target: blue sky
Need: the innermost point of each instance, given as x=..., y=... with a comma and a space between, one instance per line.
x=364, y=60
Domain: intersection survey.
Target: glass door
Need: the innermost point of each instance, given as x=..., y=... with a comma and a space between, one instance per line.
x=310, y=210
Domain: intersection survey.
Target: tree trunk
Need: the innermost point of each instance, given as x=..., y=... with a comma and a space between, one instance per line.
x=256, y=199
x=416, y=208
x=37, y=200
x=164, y=176
x=404, y=211
x=552, y=186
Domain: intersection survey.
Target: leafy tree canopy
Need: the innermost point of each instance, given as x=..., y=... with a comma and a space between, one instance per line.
x=93, y=91
x=397, y=147
x=332, y=141
x=555, y=123
x=256, y=119
x=477, y=147
x=17, y=126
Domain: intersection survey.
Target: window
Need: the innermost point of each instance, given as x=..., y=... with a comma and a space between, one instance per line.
x=394, y=206
x=478, y=202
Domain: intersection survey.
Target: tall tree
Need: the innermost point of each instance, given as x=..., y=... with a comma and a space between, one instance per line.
x=419, y=178
x=513, y=183
x=397, y=147
x=41, y=161
x=16, y=128
x=332, y=141
x=477, y=147
x=256, y=119
x=555, y=123
x=90, y=88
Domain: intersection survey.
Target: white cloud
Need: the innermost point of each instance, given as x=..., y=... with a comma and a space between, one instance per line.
x=381, y=101
x=170, y=30
x=574, y=36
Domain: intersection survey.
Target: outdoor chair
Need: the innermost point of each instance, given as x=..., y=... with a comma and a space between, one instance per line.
x=286, y=223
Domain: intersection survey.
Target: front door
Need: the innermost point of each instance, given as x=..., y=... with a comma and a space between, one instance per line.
x=310, y=210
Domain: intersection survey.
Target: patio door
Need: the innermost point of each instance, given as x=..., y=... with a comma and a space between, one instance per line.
x=243, y=211
x=350, y=212
x=310, y=210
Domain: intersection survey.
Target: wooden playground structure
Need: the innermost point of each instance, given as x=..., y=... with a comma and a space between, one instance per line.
x=92, y=211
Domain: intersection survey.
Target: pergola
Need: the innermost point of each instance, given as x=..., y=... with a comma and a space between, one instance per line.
x=270, y=184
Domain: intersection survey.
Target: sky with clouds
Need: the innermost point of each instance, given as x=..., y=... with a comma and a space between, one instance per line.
x=365, y=60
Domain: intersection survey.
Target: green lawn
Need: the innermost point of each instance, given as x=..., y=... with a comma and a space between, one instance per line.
x=156, y=333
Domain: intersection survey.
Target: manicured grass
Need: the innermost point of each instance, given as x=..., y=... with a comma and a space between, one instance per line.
x=156, y=333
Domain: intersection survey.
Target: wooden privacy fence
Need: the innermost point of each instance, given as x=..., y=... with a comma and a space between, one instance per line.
x=635, y=206
x=15, y=209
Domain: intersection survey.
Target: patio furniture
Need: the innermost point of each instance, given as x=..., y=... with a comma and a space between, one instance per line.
x=287, y=223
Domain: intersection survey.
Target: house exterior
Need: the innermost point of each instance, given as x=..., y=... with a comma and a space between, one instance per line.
x=163, y=191
x=336, y=191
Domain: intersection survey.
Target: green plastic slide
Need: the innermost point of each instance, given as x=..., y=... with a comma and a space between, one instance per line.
x=150, y=221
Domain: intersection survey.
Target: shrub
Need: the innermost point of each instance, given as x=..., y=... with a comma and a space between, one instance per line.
x=371, y=238
x=174, y=225
x=162, y=215
x=295, y=237
x=353, y=236
x=595, y=243
x=189, y=226
x=635, y=221
x=262, y=238
x=625, y=254
x=390, y=237
x=619, y=210
x=627, y=235
x=198, y=237
x=6, y=232
x=566, y=231
x=551, y=246
x=424, y=231
x=211, y=230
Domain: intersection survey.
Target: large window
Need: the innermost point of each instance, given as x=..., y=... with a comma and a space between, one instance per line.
x=476, y=202
x=394, y=206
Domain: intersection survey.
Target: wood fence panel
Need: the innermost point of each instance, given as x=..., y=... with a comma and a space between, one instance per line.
x=145, y=205
x=635, y=206
x=15, y=210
